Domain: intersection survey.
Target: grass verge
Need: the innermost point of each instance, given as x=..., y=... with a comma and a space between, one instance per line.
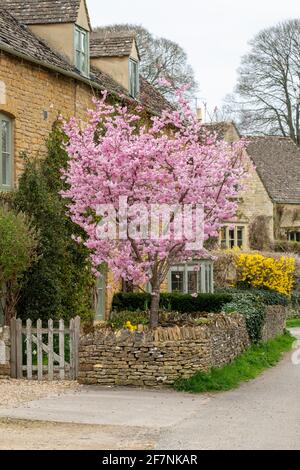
x=246, y=367
x=293, y=323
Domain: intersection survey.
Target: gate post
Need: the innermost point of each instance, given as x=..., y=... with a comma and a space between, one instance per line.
x=76, y=345
x=19, y=349
x=13, y=348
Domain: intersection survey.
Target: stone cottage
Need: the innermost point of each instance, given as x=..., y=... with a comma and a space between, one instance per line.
x=51, y=64
x=269, y=207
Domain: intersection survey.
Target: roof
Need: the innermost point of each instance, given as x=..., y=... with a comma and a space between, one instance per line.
x=111, y=46
x=18, y=40
x=223, y=129
x=43, y=11
x=152, y=98
x=277, y=162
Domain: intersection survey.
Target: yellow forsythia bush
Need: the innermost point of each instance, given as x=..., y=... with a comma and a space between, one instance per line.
x=258, y=271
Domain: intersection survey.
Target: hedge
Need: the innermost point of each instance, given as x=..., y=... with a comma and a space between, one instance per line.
x=252, y=304
x=182, y=303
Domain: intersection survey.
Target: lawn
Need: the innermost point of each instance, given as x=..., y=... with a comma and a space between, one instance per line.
x=246, y=367
x=293, y=323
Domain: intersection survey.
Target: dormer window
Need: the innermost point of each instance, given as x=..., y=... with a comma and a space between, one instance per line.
x=82, y=50
x=134, y=82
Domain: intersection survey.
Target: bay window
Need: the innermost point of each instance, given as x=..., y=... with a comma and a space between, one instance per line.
x=191, y=278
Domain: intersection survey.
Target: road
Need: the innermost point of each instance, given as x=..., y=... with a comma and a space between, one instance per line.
x=261, y=414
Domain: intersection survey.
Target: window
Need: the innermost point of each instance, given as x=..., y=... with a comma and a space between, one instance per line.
x=5, y=152
x=294, y=236
x=177, y=279
x=232, y=236
x=134, y=87
x=82, y=50
x=193, y=278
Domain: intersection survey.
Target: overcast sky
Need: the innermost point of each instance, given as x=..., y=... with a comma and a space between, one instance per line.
x=214, y=33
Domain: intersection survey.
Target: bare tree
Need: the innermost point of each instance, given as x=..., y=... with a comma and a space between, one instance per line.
x=160, y=59
x=267, y=97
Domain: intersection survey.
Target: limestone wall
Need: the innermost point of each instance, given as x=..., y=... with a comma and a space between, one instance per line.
x=159, y=357
x=275, y=322
x=34, y=101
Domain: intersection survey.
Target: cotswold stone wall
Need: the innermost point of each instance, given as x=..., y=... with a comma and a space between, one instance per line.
x=159, y=357
x=4, y=351
x=275, y=322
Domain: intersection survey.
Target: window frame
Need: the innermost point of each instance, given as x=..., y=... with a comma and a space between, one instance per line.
x=82, y=32
x=134, y=89
x=7, y=187
x=292, y=236
x=205, y=276
x=229, y=236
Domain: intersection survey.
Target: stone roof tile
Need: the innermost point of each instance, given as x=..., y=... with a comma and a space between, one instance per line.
x=111, y=46
x=277, y=161
x=18, y=39
x=43, y=11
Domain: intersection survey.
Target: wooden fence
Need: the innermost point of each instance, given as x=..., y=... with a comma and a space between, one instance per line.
x=40, y=353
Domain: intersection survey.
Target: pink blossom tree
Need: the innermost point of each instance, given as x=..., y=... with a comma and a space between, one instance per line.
x=171, y=163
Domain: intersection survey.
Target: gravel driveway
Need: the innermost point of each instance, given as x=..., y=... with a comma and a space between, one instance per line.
x=16, y=392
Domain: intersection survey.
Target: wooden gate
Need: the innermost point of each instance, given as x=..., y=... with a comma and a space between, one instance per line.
x=44, y=353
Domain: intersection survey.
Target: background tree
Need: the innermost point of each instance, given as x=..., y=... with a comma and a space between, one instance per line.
x=161, y=60
x=267, y=96
x=60, y=283
x=114, y=156
x=18, y=251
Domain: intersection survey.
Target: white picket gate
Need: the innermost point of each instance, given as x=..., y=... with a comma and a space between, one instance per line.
x=40, y=353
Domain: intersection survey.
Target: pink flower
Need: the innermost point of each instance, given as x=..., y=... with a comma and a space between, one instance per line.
x=114, y=155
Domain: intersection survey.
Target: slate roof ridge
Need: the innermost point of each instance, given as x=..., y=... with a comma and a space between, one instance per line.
x=45, y=11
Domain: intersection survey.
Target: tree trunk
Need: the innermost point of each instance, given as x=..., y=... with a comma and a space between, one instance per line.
x=154, y=308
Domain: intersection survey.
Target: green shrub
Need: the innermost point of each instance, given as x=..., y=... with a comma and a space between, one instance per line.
x=18, y=251
x=272, y=298
x=253, y=308
x=130, y=301
x=60, y=284
x=252, y=303
x=173, y=302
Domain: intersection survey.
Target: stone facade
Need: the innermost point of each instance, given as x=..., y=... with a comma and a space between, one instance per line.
x=254, y=202
x=159, y=357
x=4, y=352
x=287, y=219
x=34, y=101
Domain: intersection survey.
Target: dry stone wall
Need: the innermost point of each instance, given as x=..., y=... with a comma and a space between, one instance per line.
x=275, y=322
x=159, y=357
